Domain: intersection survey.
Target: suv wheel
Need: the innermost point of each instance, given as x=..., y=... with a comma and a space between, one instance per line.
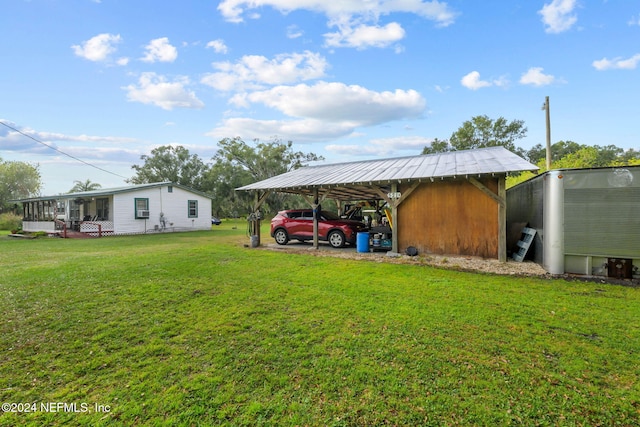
x=336, y=239
x=281, y=236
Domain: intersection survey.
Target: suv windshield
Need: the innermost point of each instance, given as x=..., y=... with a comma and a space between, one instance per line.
x=329, y=215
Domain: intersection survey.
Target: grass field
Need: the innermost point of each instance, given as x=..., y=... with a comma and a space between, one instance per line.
x=193, y=329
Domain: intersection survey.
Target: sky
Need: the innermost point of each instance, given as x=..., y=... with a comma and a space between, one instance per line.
x=93, y=85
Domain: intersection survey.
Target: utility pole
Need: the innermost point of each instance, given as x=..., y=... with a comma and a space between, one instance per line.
x=546, y=108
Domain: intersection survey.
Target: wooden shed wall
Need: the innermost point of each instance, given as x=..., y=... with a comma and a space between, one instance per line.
x=450, y=217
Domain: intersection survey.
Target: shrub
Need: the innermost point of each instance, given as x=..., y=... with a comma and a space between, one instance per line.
x=10, y=221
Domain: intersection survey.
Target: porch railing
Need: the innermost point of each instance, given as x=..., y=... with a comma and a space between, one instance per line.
x=61, y=225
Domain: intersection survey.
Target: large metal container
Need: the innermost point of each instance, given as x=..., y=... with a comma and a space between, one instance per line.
x=584, y=218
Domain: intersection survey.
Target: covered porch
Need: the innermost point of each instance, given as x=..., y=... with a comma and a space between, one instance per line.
x=66, y=216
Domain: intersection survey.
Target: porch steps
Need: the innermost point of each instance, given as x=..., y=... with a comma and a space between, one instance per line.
x=524, y=243
x=72, y=234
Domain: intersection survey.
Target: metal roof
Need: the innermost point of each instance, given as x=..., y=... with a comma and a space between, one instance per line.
x=108, y=192
x=356, y=180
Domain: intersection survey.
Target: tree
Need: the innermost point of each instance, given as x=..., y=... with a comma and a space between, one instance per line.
x=585, y=157
x=558, y=150
x=570, y=155
x=609, y=155
x=80, y=186
x=237, y=163
x=481, y=132
x=170, y=164
x=630, y=157
x=437, y=146
x=18, y=180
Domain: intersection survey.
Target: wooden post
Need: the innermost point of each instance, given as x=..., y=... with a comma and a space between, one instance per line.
x=548, y=121
x=255, y=221
x=502, y=220
x=316, y=215
x=394, y=219
x=394, y=203
x=501, y=199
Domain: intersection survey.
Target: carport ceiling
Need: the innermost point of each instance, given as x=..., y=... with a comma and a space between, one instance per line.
x=366, y=180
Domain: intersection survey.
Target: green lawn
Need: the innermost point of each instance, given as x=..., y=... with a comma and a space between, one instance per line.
x=195, y=329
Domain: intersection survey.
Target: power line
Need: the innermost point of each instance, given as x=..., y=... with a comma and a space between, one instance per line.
x=61, y=152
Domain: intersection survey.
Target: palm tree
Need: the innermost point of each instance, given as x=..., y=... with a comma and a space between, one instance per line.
x=84, y=186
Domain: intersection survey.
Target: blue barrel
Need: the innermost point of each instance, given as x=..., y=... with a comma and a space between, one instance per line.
x=362, y=242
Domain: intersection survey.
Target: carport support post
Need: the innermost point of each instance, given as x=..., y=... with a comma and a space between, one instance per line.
x=315, y=204
x=502, y=219
x=394, y=202
x=255, y=221
x=394, y=219
x=316, y=215
x=501, y=200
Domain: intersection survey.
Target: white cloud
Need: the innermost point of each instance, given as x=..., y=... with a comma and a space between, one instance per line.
x=294, y=32
x=382, y=147
x=323, y=111
x=160, y=50
x=617, y=63
x=97, y=48
x=218, y=46
x=337, y=102
x=635, y=20
x=254, y=71
x=534, y=76
x=472, y=81
x=558, y=15
x=434, y=10
x=356, y=21
x=306, y=130
x=98, y=154
x=156, y=90
x=13, y=141
x=363, y=36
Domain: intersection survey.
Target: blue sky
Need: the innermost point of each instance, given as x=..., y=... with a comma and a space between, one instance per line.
x=106, y=81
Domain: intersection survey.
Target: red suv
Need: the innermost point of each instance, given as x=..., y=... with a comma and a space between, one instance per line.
x=298, y=224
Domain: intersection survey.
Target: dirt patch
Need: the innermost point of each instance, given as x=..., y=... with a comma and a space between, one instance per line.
x=458, y=263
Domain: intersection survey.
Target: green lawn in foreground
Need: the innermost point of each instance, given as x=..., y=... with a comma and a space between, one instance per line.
x=195, y=329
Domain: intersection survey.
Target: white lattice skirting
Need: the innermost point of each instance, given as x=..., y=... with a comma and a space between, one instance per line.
x=95, y=228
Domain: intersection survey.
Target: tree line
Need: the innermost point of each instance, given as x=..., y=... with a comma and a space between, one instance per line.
x=239, y=163
x=482, y=132
x=235, y=164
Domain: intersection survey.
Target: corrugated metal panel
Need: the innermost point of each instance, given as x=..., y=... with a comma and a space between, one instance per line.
x=493, y=160
x=525, y=205
x=602, y=221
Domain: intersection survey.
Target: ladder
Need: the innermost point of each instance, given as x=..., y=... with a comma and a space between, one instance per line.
x=523, y=244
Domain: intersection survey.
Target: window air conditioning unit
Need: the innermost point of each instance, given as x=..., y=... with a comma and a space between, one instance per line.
x=143, y=213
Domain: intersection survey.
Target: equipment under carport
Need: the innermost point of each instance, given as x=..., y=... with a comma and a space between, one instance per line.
x=380, y=238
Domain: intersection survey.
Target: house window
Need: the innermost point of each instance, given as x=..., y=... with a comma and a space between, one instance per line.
x=170, y=189
x=60, y=207
x=102, y=209
x=74, y=210
x=142, y=208
x=193, y=208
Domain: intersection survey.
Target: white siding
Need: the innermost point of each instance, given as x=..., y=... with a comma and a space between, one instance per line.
x=174, y=205
x=33, y=226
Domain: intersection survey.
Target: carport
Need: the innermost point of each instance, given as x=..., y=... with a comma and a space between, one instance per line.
x=447, y=203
